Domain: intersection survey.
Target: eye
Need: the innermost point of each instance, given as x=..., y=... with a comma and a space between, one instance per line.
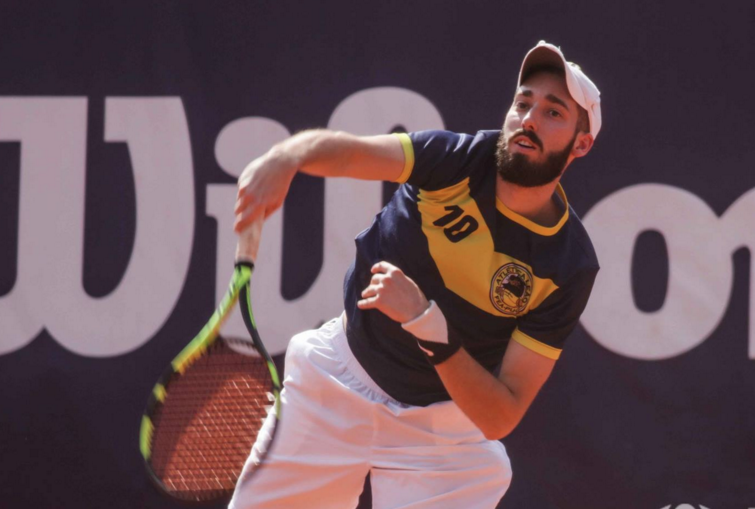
x=554, y=113
x=520, y=105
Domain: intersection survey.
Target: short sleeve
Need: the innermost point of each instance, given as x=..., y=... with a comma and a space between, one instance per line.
x=545, y=329
x=439, y=159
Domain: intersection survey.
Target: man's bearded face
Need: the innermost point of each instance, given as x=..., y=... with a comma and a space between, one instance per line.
x=520, y=170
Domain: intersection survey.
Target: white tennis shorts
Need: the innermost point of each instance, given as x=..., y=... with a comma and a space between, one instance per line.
x=337, y=425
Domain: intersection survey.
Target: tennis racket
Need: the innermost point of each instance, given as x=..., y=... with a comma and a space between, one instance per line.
x=206, y=410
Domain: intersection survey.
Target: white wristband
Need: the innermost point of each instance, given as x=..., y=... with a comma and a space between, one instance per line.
x=430, y=325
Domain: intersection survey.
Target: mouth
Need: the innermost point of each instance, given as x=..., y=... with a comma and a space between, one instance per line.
x=524, y=143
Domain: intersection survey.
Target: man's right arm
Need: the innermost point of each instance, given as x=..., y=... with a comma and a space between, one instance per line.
x=265, y=181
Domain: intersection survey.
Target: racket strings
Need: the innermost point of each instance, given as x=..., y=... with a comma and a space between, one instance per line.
x=209, y=421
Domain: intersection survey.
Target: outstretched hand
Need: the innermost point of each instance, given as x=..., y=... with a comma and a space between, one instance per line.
x=262, y=188
x=393, y=293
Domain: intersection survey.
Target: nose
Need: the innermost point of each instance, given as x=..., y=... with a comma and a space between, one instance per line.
x=528, y=121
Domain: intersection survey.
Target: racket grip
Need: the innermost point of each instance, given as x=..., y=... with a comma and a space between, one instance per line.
x=249, y=242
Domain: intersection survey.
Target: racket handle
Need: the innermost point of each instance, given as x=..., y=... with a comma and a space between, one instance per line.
x=249, y=242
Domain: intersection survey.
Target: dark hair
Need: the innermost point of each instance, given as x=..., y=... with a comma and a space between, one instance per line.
x=583, y=120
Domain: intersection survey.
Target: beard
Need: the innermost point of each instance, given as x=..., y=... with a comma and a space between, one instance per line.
x=517, y=169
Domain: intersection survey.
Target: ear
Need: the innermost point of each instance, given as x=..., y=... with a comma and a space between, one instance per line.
x=582, y=144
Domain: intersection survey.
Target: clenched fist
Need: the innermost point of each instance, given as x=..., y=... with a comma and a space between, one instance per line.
x=393, y=293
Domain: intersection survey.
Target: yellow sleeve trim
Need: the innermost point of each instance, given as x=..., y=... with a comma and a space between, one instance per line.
x=406, y=144
x=535, y=345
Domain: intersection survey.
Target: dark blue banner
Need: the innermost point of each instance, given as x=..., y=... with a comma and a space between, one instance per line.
x=123, y=129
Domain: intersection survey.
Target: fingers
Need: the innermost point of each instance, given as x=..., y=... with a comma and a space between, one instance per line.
x=247, y=218
x=393, y=293
x=244, y=195
x=371, y=294
x=242, y=200
x=247, y=208
x=370, y=303
x=384, y=268
x=244, y=209
x=258, y=194
x=371, y=291
x=379, y=283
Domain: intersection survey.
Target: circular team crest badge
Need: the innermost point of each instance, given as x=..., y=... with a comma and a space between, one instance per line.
x=511, y=289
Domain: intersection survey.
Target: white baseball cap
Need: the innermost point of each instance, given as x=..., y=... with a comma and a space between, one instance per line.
x=581, y=88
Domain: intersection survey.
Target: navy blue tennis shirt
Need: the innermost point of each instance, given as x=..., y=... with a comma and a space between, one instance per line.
x=496, y=275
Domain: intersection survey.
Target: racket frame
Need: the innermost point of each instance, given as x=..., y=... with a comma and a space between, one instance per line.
x=238, y=291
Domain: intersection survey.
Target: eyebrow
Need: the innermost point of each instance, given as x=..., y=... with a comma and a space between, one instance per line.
x=552, y=98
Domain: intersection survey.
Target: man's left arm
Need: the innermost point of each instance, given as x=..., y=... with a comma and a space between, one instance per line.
x=495, y=405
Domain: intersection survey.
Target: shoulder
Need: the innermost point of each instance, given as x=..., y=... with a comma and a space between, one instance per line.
x=451, y=142
x=581, y=249
x=443, y=158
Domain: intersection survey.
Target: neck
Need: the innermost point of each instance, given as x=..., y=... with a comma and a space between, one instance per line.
x=534, y=203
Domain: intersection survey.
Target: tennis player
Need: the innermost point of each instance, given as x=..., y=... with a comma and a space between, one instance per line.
x=458, y=303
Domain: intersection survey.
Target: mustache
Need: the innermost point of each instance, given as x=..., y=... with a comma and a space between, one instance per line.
x=529, y=135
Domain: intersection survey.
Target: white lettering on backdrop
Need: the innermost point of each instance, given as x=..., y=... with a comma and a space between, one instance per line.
x=52, y=135
x=48, y=291
x=700, y=246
